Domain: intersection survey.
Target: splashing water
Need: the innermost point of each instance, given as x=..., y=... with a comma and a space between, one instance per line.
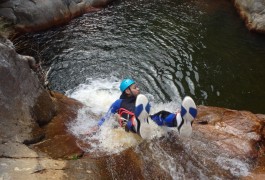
x=234, y=165
x=97, y=95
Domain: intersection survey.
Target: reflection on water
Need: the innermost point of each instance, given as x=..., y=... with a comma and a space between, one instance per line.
x=172, y=48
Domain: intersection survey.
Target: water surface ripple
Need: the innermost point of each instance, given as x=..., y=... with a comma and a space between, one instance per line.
x=173, y=48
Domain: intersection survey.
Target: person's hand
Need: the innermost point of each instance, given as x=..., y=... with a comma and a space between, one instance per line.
x=124, y=122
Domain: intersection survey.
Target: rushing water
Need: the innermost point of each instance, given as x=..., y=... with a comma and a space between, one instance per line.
x=172, y=48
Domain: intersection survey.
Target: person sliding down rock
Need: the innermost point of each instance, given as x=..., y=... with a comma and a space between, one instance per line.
x=124, y=107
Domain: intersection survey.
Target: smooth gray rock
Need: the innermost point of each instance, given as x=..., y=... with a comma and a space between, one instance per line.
x=32, y=15
x=16, y=150
x=33, y=168
x=253, y=12
x=18, y=91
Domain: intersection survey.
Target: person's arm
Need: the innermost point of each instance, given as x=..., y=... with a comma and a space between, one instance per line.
x=112, y=110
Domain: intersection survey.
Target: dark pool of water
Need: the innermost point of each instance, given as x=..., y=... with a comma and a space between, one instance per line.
x=201, y=49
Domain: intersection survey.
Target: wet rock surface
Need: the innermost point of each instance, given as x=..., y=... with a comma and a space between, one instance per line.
x=58, y=142
x=226, y=144
x=233, y=137
x=44, y=109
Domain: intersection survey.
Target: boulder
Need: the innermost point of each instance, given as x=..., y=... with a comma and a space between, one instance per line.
x=58, y=142
x=253, y=13
x=32, y=115
x=19, y=90
x=33, y=15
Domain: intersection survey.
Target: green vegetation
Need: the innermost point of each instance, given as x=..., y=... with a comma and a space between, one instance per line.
x=75, y=157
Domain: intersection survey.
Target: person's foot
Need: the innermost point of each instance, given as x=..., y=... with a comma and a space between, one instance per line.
x=142, y=110
x=186, y=116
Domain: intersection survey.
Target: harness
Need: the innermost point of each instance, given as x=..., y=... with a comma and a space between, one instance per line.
x=125, y=116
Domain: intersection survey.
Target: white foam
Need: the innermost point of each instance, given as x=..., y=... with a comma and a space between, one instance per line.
x=114, y=140
x=98, y=95
x=235, y=166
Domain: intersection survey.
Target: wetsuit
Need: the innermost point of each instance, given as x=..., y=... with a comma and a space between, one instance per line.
x=128, y=103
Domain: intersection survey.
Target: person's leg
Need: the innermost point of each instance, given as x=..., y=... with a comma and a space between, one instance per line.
x=165, y=118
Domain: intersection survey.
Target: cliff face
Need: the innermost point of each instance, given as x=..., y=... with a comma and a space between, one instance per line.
x=26, y=109
x=33, y=15
x=19, y=90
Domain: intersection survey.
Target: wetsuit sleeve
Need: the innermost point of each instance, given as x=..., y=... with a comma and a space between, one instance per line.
x=112, y=110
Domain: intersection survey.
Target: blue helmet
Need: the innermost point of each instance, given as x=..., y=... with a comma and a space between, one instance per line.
x=125, y=84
